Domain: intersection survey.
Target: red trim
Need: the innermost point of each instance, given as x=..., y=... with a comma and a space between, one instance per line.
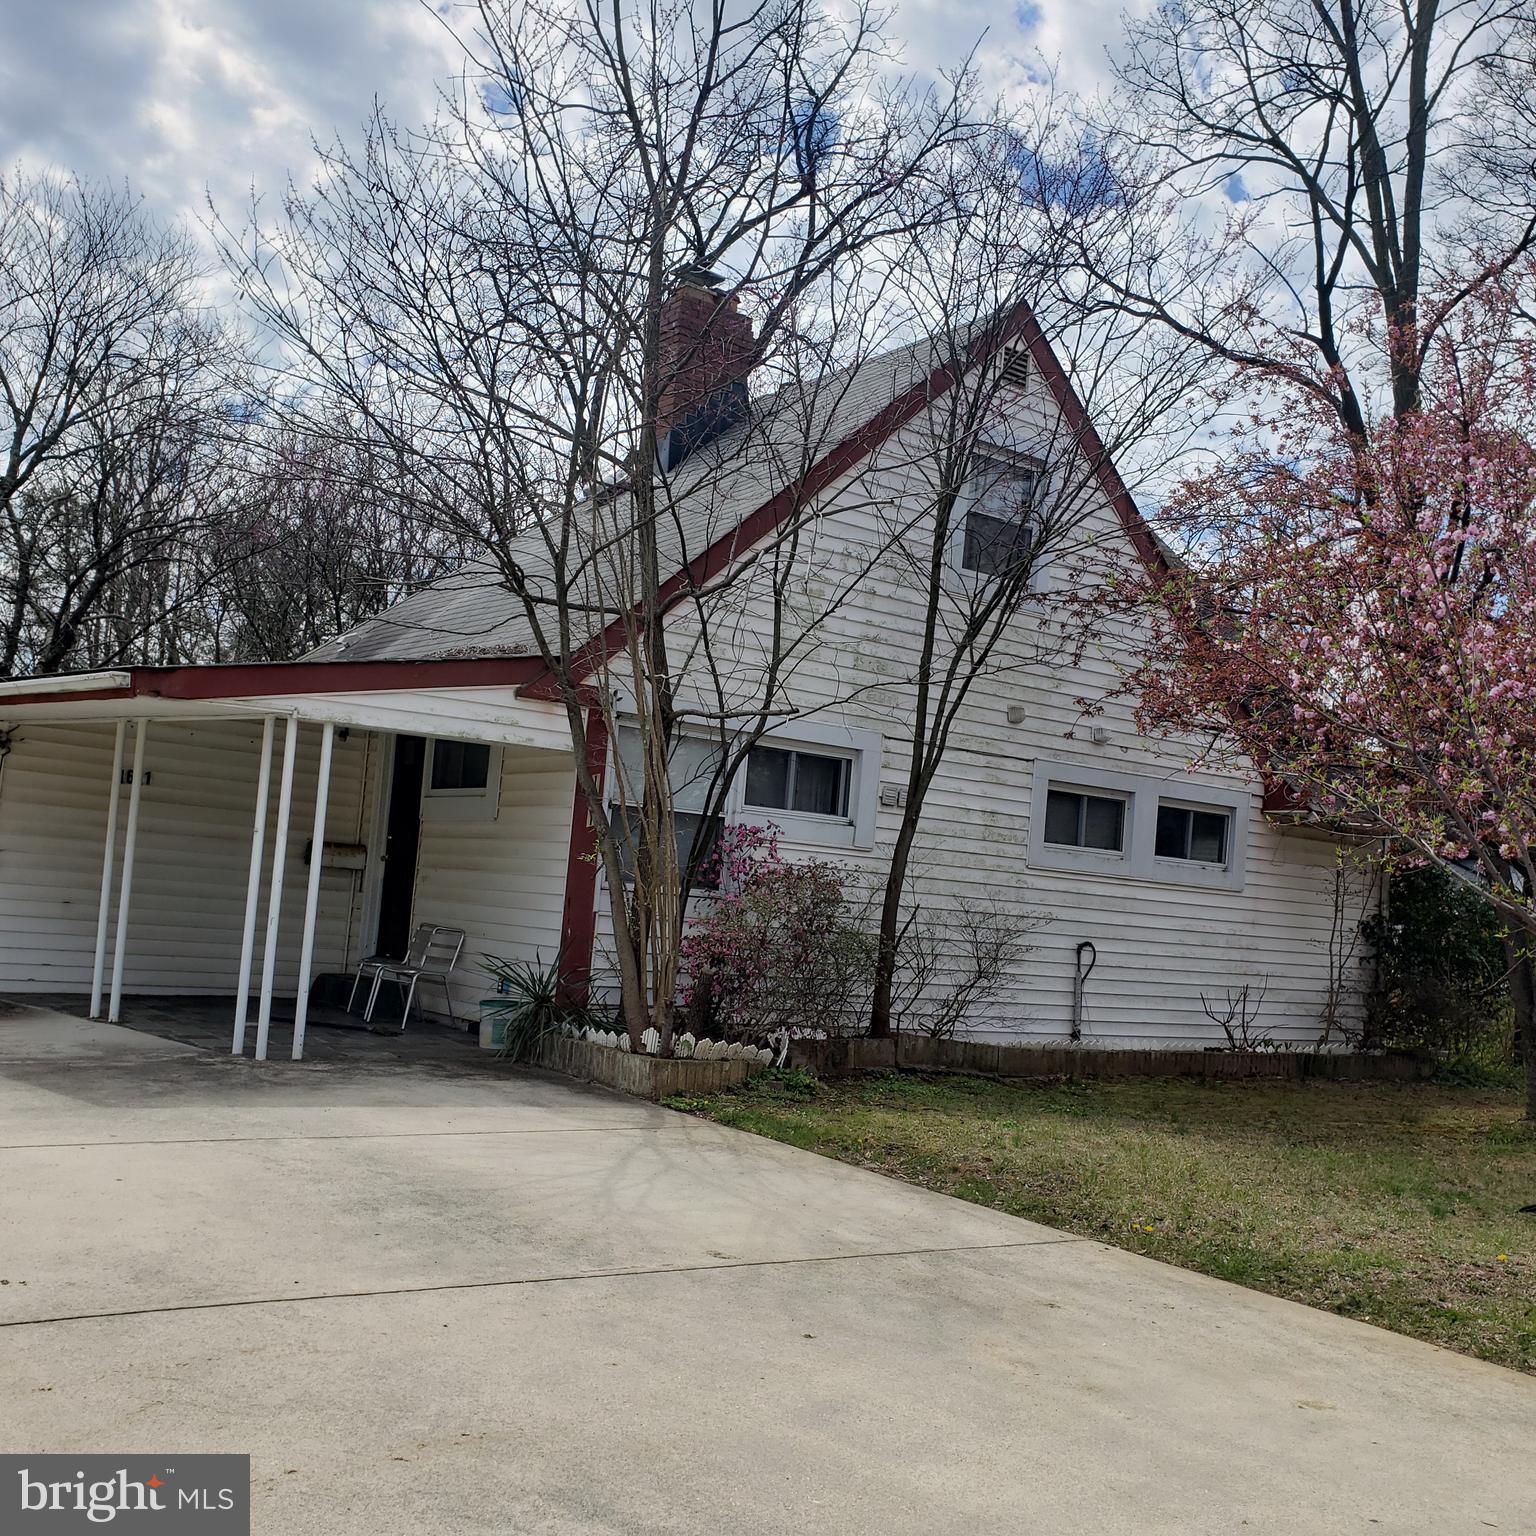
x=64, y=697
x=1092, y=444
x=1280, y=799
x=578, y=923
x=826, y=471
x=265, y=679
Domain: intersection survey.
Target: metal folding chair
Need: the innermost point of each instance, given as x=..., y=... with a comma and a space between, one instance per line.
x=415, y=954
x=432, y=954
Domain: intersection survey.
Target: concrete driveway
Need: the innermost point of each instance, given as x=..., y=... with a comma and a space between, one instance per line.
x=467, y=1300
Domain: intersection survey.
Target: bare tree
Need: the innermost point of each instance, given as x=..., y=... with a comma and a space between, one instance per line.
x=115, y=394
x=1012, y=491
x=542, y=310
x=1359, y=149
x=316, y=541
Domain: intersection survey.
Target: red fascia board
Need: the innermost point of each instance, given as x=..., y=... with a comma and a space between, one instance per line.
x=279, y=679
x=578, y=922
x=54, y=696
x=777, y=510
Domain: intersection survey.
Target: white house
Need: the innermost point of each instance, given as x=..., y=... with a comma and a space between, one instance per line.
x=224, y=829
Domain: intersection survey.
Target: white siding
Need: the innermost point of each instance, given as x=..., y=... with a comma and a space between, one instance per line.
x=502, y=881
x=1160, y=946
x=193, y=855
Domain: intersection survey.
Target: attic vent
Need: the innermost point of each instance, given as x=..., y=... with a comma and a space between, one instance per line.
x=1015, y=370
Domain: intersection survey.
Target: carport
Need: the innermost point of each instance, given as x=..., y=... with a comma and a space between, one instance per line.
x=263, y=735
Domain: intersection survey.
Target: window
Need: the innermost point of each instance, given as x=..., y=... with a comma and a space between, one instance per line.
x=460, y=767
x=462, y=781
x=1099, y=822
x=691, y=770
x=1186, y=833
x=999, y=525
x=788, y=779
x=1075, y=819
x=816, y=781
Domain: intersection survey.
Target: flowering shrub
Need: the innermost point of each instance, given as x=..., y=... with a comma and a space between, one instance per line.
x=784, y=946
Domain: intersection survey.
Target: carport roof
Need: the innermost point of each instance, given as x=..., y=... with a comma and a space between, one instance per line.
x=247, y=680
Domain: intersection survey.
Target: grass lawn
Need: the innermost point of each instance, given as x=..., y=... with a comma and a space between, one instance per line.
x=1396, y=1205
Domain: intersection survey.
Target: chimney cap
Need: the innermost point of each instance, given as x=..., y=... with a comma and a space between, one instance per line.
x=695, y=276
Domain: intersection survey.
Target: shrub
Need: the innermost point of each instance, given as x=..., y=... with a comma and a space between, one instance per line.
x=1440, y=961
x=952, y=967
x=528, y=1003
x=783, y=946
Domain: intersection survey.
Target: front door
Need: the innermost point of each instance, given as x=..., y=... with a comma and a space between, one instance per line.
x=402, y=840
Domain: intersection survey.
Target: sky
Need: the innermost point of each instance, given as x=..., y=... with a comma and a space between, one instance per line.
x=184, y=99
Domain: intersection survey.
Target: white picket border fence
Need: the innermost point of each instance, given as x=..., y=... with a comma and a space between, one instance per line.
x=685, y=1046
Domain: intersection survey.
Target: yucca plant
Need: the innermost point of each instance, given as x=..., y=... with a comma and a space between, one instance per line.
x=527, y=1002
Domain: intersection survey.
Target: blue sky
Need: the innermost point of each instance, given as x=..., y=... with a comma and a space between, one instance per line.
x=179, y=96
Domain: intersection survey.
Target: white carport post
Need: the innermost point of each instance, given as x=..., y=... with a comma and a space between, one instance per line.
x=275, y=889
x=125, y=890
x=312, y=898
x=253, y=884
x=108, y=858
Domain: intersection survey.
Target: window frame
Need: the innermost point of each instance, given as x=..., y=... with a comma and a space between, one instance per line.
x=612, y=807
x=961, y=577
x=1196, y=808
x=856, y=832
x=846, y=765
x=1144, y=794
x=861, y=749
x=482, y=804
x=1084, y=794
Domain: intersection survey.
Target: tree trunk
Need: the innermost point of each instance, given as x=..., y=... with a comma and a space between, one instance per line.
x=890, y=920
x=1522, y=993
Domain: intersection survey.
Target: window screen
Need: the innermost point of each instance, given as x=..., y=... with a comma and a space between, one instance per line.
x=1074, y=819
x=810, y=783
x=1185, y=833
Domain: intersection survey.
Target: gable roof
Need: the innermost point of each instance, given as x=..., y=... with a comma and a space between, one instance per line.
x=722, y=500
x=711, y=494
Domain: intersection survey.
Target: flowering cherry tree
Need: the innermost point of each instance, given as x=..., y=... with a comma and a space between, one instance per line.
x=1358, y=615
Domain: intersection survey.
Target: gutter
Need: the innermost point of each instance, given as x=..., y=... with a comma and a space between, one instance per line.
x=73, y=682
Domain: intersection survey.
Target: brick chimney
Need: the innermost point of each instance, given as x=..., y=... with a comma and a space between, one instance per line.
x=706, y=351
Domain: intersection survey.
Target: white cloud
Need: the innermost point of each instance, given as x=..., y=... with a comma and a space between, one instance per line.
x=179, y=96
